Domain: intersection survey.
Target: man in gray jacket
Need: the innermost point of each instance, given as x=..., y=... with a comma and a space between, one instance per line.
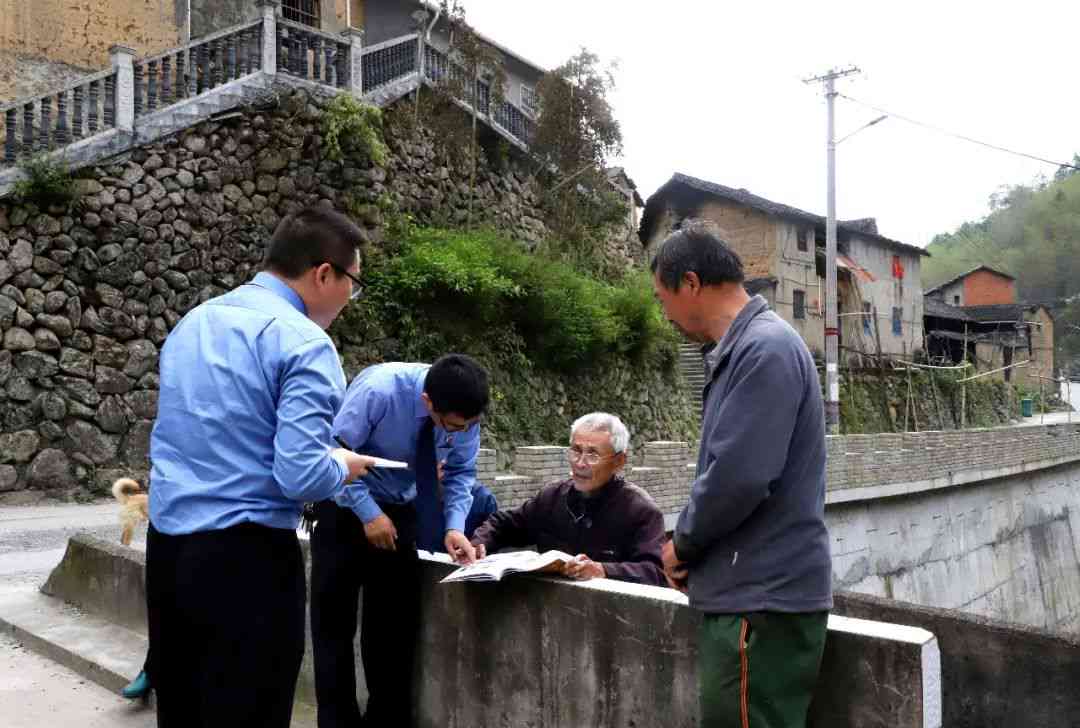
x=751, y=546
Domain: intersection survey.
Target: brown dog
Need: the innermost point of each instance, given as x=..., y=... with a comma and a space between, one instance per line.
x=134, y=506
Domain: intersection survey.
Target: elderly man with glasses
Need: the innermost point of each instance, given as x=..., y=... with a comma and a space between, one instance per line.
x=613, y=526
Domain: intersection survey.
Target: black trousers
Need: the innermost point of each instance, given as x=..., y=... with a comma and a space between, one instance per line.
x=342, y=561
x=226, y=613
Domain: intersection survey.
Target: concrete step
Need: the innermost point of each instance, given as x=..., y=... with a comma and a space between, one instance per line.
x=95, y=648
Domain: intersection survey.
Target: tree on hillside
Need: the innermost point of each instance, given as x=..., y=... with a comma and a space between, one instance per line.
x=1067, y=339
x=576, y=136
x=474, y=80
x=1033, y=233
x=1065, y=172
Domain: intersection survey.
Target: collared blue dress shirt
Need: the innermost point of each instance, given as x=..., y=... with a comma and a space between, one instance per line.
x=382, y=415
x=249, y=389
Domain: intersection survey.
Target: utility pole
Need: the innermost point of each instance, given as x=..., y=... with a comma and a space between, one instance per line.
x=832, y=327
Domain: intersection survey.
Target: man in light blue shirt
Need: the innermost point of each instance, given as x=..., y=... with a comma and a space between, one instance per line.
x=367, y=535
x=250, y=383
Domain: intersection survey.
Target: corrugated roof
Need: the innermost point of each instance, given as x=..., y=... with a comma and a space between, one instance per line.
x=866, y=224
x=939, y=309
x=991, y=313
x=948, y=283
x=747, y=198
x=998, y=312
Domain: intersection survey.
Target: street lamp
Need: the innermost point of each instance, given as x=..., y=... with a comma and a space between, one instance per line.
x=867, y=125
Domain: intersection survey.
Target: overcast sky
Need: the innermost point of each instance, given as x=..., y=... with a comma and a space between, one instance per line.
x=713, y=88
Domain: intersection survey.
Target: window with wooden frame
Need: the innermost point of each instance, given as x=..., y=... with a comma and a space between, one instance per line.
x=306, y=12
x=802, y=240
x=798, y=304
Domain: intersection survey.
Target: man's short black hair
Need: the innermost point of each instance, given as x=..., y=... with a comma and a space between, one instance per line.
x=696, y=247
x=457, y=384
x=311, y=237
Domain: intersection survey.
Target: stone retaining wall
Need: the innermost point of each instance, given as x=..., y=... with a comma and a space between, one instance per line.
x=88, y=294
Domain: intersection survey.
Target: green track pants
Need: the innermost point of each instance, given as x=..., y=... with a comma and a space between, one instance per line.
x=759, y=670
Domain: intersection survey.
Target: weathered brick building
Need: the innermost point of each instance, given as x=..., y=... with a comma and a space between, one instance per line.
x=783, y=252
x=976, y=317
x=980, y=286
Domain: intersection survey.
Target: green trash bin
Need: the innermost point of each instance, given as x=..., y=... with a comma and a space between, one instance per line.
x=1025, y=406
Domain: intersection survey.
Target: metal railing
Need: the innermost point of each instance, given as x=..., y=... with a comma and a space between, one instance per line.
x=133, y=88
x=77, y=111
x=515, y=121
x=438, y=67
x=387, y=62
x=197, y=67
x=312, y=55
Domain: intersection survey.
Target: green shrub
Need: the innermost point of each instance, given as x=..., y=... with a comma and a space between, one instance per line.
x=350, y=125
x=479, y=279
x=48, y=181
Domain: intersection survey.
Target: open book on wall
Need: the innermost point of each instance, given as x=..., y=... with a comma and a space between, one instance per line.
x=496, y=566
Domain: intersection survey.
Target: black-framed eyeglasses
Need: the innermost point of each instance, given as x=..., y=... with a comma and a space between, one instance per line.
x=357, y=284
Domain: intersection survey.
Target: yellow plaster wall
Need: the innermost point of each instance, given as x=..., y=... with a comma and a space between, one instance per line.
x=80, y=32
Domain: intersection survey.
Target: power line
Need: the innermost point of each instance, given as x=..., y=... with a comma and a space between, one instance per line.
x=957, y=136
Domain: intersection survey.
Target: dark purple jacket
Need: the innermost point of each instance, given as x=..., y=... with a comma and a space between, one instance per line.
x=620, y=527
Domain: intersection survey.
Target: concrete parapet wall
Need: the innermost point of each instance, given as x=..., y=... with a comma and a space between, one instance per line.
x=992, y=674
x=546, y=653
x=1003, y=547
x=102, y=578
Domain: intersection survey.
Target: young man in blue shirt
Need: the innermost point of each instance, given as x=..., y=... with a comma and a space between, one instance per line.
x=250, y=383
x=367, y=535
x=431, y=521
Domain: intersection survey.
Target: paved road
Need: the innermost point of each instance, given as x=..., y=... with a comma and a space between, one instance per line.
x=34, y=691
x=1051, y=418
x=33, y=538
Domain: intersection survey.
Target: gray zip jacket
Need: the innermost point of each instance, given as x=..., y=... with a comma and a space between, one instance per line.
x=754, y=530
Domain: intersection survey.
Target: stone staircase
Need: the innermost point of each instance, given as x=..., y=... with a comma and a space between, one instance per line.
x=692, y=367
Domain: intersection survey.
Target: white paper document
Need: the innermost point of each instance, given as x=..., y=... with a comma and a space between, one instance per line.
x=384, y=463
x=496, y=566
